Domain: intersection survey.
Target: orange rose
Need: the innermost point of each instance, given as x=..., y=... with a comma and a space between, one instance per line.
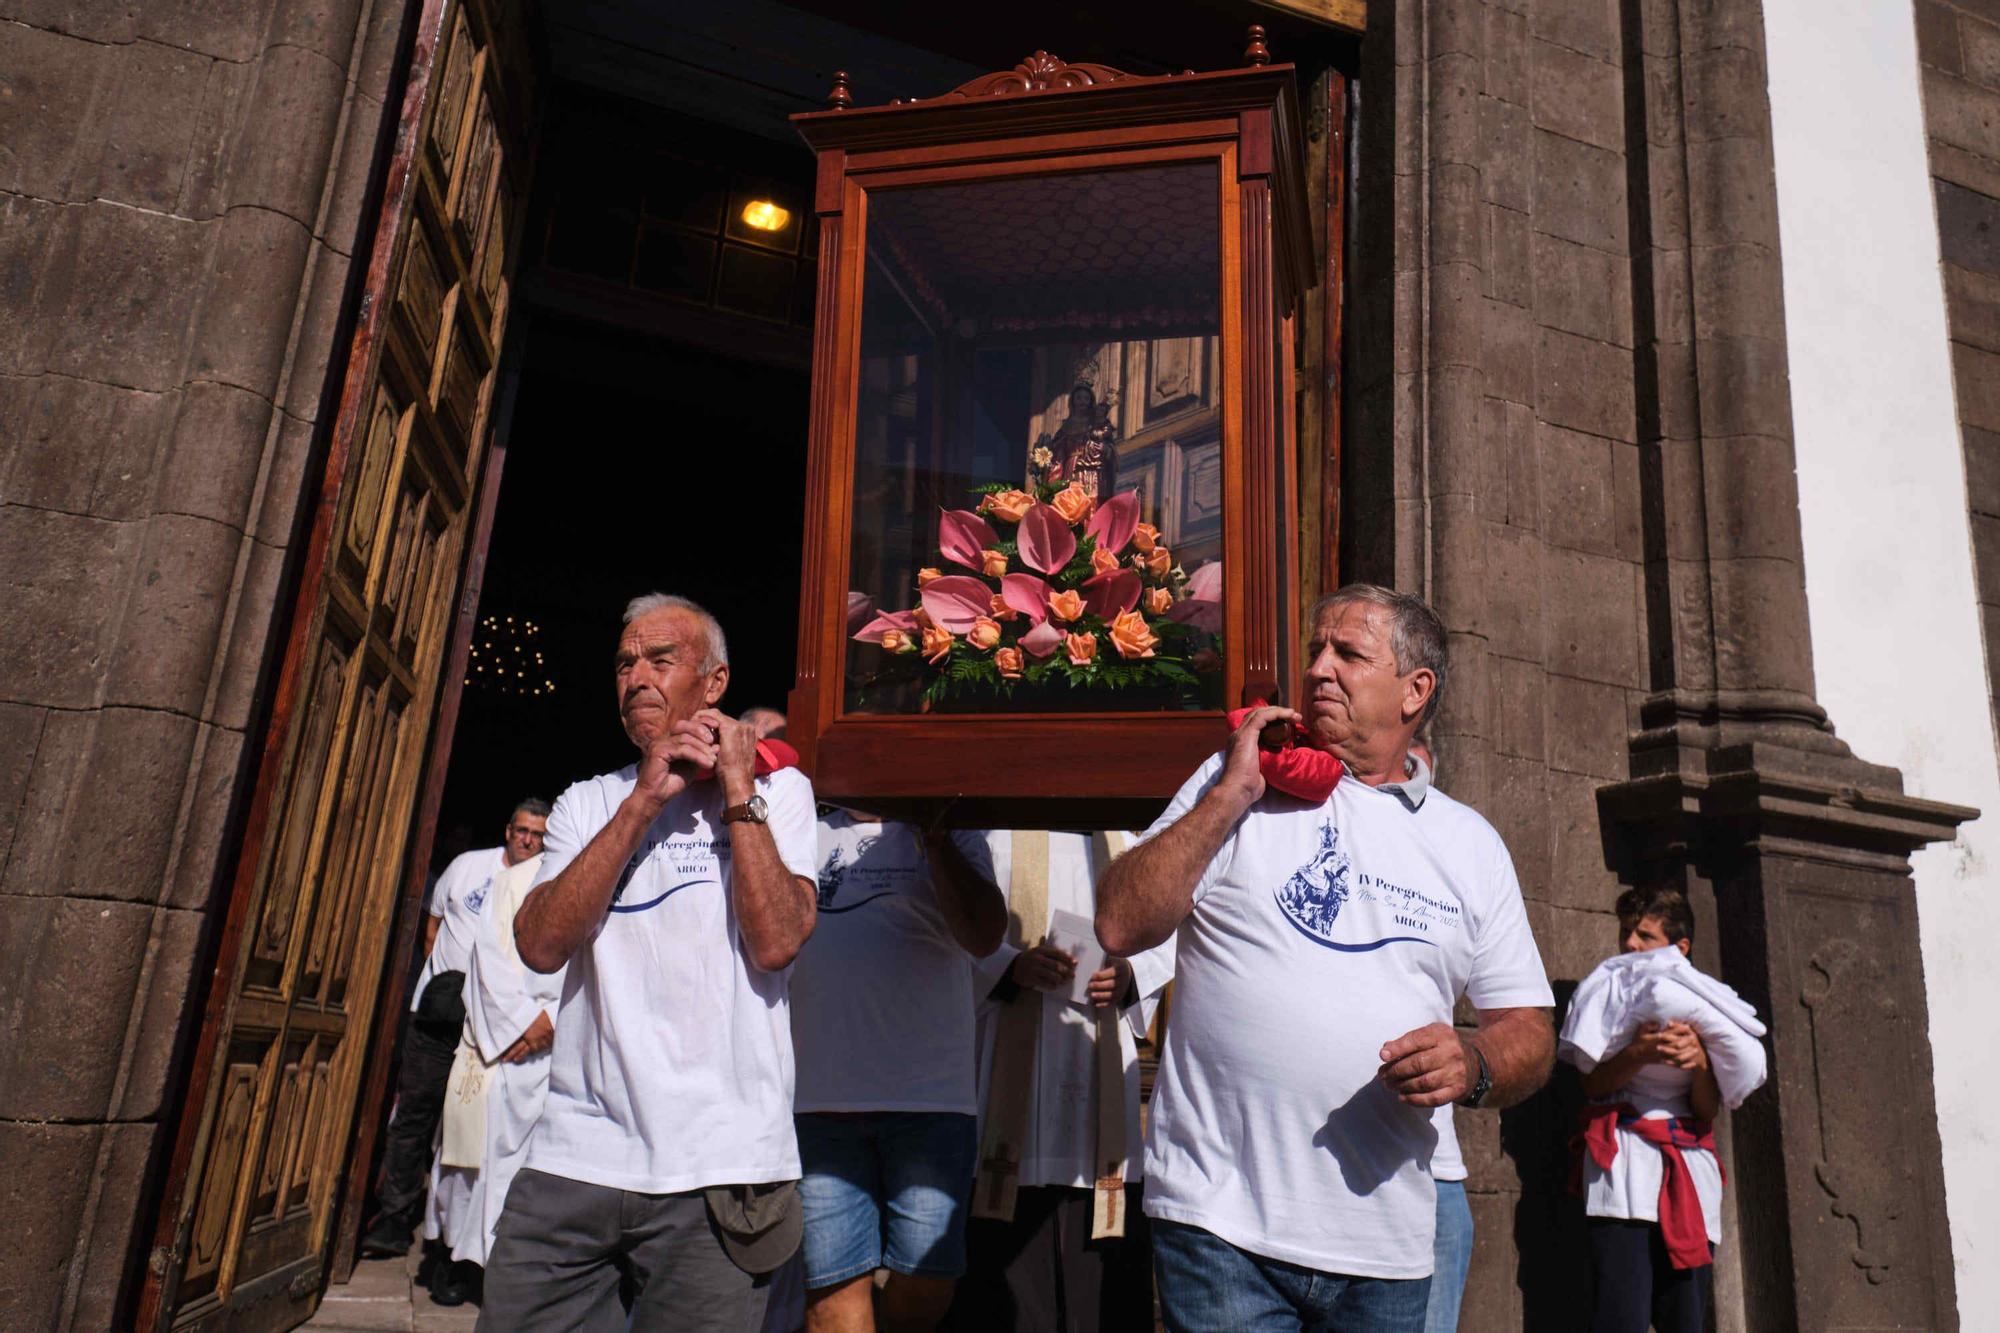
x=1102, y=561
x=1158, y=561
x=1158, y=600
x=896, y=641
x=1082, y=648
x=1145, y=536
x=1002, y=611
x=1010, y=663
x=1066, y=605
x=984, y=634
x=926, y=576
x=923, y=619
x=937, y=644
x=1130, y=636
x=992, y=563
x=1073, y=503
x=1010, y=505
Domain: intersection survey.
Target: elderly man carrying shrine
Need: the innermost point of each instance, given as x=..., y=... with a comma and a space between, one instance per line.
x=678, y=890
x=1327, y=918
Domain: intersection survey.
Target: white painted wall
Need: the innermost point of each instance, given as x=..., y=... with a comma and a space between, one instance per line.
x=1889, y=575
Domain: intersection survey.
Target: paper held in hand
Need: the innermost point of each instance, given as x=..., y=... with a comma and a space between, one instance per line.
x=1077, y=936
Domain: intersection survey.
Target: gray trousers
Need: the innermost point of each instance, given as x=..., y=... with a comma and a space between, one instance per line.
x=568, y=1255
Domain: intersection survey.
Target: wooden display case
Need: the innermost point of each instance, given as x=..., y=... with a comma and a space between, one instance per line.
x=1051, y=369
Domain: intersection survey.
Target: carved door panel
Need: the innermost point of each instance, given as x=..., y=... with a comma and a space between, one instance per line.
x=265, y=1128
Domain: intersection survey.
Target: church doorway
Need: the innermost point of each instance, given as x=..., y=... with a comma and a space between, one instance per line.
x=581, y=373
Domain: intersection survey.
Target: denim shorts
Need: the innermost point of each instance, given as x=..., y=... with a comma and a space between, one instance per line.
x=885, y=1189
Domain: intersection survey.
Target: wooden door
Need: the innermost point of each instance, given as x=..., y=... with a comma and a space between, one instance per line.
x=264, y=1131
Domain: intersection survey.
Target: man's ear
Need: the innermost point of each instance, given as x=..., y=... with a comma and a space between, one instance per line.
x=1686, y=947
x=1418, y=688
x=718, y=681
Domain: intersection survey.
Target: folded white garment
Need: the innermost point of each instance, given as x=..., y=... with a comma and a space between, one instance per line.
x=1662, y=986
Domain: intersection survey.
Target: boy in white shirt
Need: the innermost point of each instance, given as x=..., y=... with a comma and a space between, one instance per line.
x=1657, y=1096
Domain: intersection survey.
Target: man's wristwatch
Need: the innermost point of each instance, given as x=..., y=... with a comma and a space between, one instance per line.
x=1481, y=1085
x=753, y=810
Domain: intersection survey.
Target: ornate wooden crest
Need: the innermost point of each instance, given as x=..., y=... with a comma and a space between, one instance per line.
x=1039, y=73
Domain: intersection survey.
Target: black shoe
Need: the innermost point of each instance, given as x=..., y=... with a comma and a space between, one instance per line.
x=387, y=1239
x=455, y=1283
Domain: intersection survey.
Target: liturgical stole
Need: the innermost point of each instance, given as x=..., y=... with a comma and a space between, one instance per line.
x=1010, y=1106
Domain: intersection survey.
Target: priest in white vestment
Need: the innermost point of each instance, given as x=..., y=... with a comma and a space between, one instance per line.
x=495, y=1093
x=1058, y=1240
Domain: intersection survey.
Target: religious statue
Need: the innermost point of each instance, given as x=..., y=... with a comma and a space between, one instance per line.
x=1082, y=449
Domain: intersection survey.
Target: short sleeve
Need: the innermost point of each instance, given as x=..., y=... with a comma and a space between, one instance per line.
x=441, y=890
x=794, y=822
x=566, y=833
x=973, y=844
x=1507, y=970
x=1185, y=800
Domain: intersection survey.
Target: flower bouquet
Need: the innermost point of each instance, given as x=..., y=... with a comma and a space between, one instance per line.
x=1066, y=599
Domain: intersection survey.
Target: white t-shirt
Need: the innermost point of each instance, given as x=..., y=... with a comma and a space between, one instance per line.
x=1061, y=1143
x=1631, y=1188
x=1447, y=1162
x=882, y=994
x=672, y=1067
x=1320, y=932
x=457, y=900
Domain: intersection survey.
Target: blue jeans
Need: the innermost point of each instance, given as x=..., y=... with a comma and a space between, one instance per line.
x=1208, y=1285
x=1454, y=1256
x=885, y=1189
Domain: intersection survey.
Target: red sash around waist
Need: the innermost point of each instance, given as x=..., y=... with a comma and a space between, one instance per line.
x=1681, y=1224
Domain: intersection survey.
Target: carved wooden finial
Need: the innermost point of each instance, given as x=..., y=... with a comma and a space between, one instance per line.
x=1256, y=53
x=840, y=98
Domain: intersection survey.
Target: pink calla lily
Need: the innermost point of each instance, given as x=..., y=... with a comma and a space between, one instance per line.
x=964, y=537
x=1027, y=594
x=859, y=607
x=1202, y=606
x=1042, y=640
x=956, y=600
x=1115, y=521
x=1047, y=543
x=1111, y=594
x=1205, y=584
x=873, y=631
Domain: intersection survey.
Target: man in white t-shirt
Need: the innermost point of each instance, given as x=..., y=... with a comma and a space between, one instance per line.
x=678, y=891
x=1321, y=947
x=437, y=1013
x=882, y=1032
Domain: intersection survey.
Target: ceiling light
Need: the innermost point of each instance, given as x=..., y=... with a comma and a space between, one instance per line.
x=765, y=215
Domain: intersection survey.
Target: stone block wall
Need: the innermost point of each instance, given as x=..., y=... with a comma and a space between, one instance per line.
x=1958, y=43
x=182, y=189
x=1494, y=389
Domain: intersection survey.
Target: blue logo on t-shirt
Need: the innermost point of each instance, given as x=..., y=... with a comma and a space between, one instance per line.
x=477, y=898
x=830, y=876
x=1313, y=896
x=834, y=873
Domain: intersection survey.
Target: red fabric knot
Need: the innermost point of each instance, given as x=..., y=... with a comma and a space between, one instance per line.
x=1681, y=1223
x=774, y=754
x=1296, y=768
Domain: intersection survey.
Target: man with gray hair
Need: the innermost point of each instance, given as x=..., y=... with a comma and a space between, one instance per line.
x=1326, y=923
x=660, y=1183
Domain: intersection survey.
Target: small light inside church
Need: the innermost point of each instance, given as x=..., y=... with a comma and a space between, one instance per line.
x=765, y=215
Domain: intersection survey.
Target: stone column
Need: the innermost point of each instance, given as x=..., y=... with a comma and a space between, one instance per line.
x=181, y=189
x=1739, y=791
x=1571, y=429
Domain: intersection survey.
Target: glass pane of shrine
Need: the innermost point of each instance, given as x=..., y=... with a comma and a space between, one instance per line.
x=1038, y=446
